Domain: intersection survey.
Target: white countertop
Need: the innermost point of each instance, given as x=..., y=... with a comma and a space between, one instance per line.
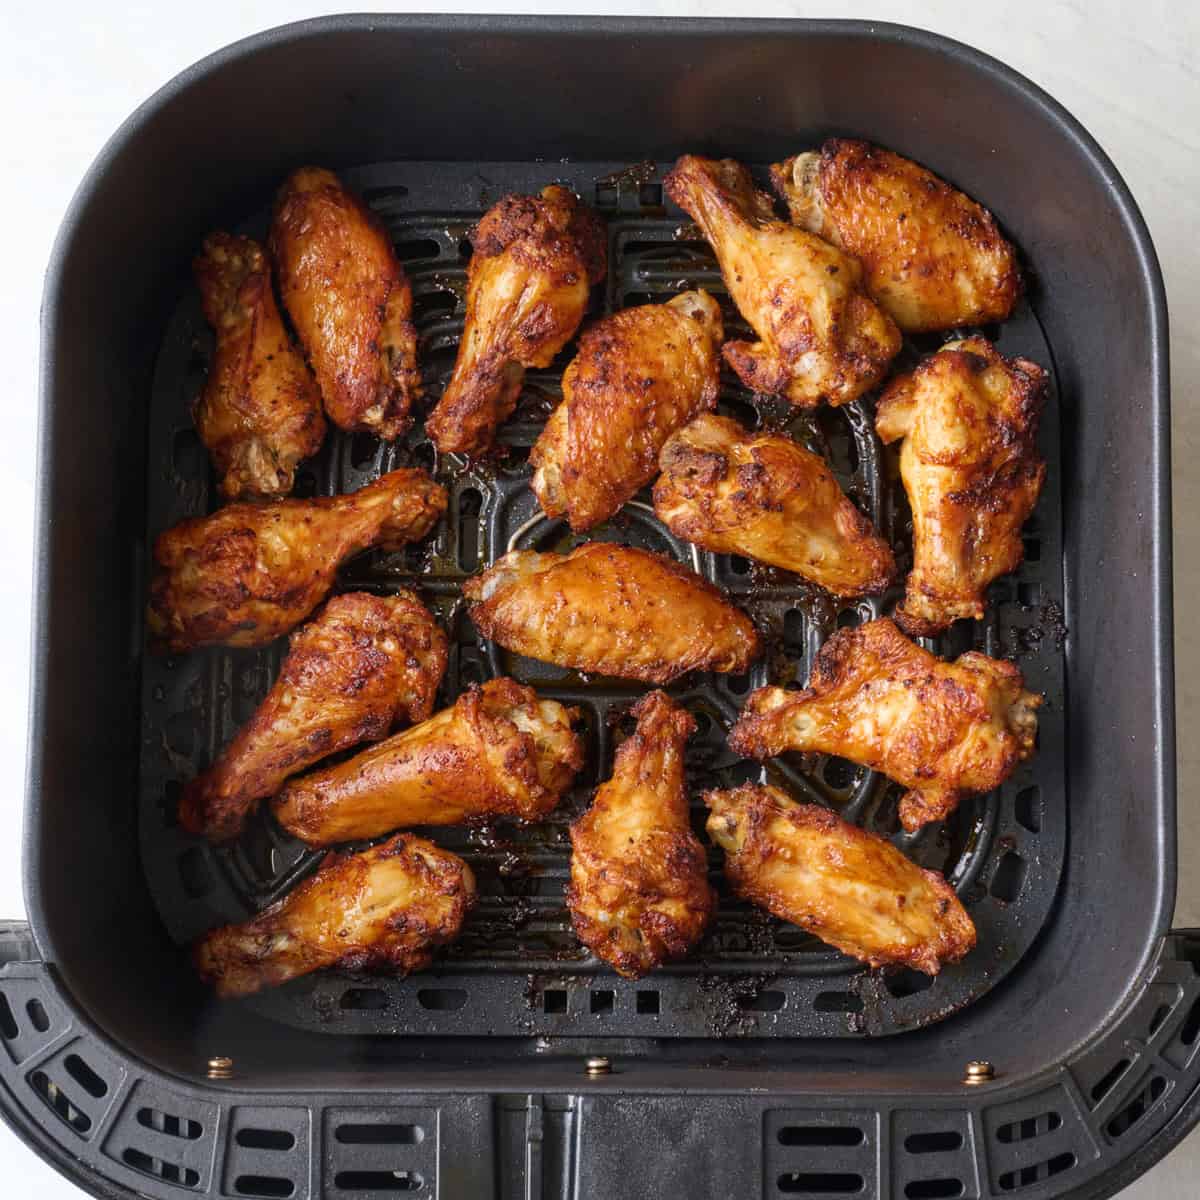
x=74, y=70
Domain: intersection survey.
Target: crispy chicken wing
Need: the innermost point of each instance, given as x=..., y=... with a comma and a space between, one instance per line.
x=942, y=729
x=379, y=910
x=639, y=375
x=611, y=609
x=763, y=496
x=970, y=465
x=260, y=411
x=350, y=302
x=639, y=891
x=852, y=889
x=365, y=664
x=821, y=337
x=933, y=258
x=249, y=573
x=500, y=750
x=533, y=260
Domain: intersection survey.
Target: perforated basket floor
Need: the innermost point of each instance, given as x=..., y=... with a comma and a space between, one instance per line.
x=518, y=969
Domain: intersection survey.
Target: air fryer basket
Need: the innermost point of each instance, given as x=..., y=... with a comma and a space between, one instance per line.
x=469, y=1079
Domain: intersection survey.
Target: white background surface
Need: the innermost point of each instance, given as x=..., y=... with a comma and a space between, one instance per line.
x=1130, y=71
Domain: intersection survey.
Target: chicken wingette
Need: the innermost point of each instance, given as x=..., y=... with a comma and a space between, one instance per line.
x=611, y=609
x=763, y=496
x=942, y=729
x=850, y=888
x=821, y=337
x=972, y=471
x=251, y=572
x=383, y=909
x=260, y=411
x=500, y=750
x=533, y=261
x=639, y=375
x=932, y=257
x=639, y=891
x=363, y=665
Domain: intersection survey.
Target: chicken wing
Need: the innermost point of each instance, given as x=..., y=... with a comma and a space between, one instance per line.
x=854, y=890
x=765, y=497
x=933, y=258
x=249, y=573
x=821, y=337
x=350, y=302
x=382, y=909
x=639, y=891
x=639, y=375
x=942, y=729
x=364, y=664
x=970, y=465
x=260, y=411
x=611, y=609
x=500, y=750
x=534, y=259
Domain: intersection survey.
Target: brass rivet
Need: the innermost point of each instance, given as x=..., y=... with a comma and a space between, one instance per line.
x=979, y=1072
x=220, y=1068
x=598, y=1065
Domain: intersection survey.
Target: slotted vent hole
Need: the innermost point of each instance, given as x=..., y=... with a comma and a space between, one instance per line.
x=377, y=1181
x=933, y=1189
x=85, y=1076
x=838, y=773
x=821, y=1135
x=156, y=1168
x=363, y=448
x=793, y=633
x=739, y=565
x=1105, y=1085
x=907, y=982
x=380, y=1135
x=602, y=1001
x=58, y=1102
x=1037, y=1173
x=1029, y=595
x=8, y=1023
x=169, y=1123
x=1137, y=1108
x=647, y=1003
x=1029, y=1127
x=1029, y=808
x=849, y=618
x=266, y=1139
x=263, y=1185
x=554, y=1000
x=838, y=1183
x=1190, y=1028
x=38, y=1017
x=942, y=1142
x=470, y=505
x=417, y=248
x=1161, y=1013
x=1009, y=878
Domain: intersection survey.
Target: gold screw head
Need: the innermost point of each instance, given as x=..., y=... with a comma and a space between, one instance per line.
x=979, y=1071
x=220, y=1067
x=598, y=1065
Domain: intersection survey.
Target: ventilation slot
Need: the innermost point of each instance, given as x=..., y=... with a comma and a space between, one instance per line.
x=470, y=505
x=363, y=449
x=648, y=1003
x=442, y=999
x=156, y=1168
x=838, y=773
x=933, y=1189
x=650, y=195
x=1009, y=878
x=1030, y=1127
x=1161, y=1013
x=836, y=1183
x=1105, y=1085
x=934, y=1143
x=907, y=982
x=838, y=1002
x=265, y=1139
x=377, y=1181
x=58, y=1102
x=85, y=1076
x=263, y=1185
x=793, y=633
x=1029, y=808
x=820, y=1135
x=170, y=1124
x=554, y=1000
x=1191, y=1025
x=8, y=1023
x=380, y=1135
x=739, y=565
x=1038, y=1173
x=1137, y=1108
x=770, y=1001
x=602, y=1002
x=364, y=999
x=416, y=248
x=1029, y=595
x=38, y=1017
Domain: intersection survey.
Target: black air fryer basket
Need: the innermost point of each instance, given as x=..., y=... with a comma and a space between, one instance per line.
x=766, y=1063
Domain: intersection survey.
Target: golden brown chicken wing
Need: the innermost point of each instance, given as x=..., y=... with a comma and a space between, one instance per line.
x=260, y=411
x=639, y=891
x=933, y=258
x=533, y=260
x=611, y=609
x=362, y=666
x=765, y=497
x=942, y=729
x=379, y=910
x=350, y=302
x=639, y=375
x=249, y=573
x=854, y=890
x=821, y=337
x=970, y=465
x=500, y=750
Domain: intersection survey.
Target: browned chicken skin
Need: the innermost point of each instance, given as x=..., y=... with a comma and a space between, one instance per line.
x=854, y=890
x=249, y=573
x=260, y=411
x=942, y=729
x=350, y=302
x=611, y=609
x=533, y=261
x=970, y=465
x=821, y=337
x=639, y=891
x=763, y=496
x=499, y=750
x=933, y=258
x=383, y=909
x=365, y=664
x=639, y=375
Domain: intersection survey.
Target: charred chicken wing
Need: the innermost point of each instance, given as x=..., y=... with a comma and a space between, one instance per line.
x=970, y=465
x=639, y=375
x=260, y=411
x=350, y=303
x=500, y=750
x=533, y=260
x=933, y=258
x=249, y=573
x=365, y=664
x=942, y=729
x=821, y=336
x=854, y=890
x=383, y=909
x=763, y=496
x=611, y=609
x=639, y=891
